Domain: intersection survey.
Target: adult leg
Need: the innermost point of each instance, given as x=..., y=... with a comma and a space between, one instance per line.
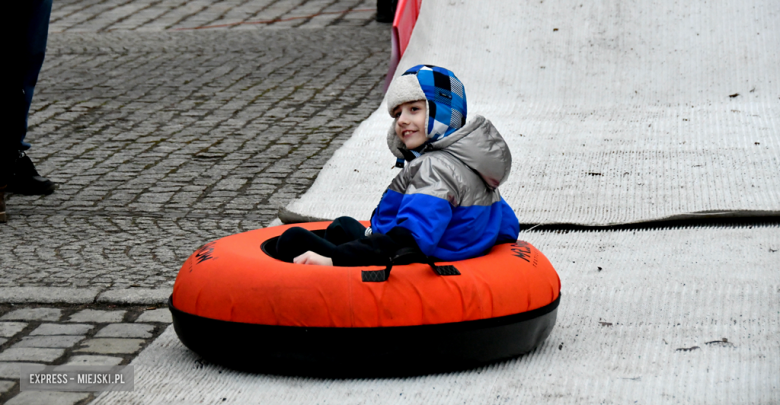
x=11, y=101
x=297, y=241
x=31, y=27
x=36, y=34
x=343, y=230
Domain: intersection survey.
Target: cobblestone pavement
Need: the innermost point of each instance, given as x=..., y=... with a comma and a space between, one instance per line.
x=159, y=15
x=86, y=335
x=161, y=140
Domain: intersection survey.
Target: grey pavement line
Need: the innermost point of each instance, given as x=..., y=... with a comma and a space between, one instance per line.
x=69, y=295
x=178, y=42
x=164, y=214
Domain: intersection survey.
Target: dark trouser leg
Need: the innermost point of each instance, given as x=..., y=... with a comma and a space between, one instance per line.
x=12, y=97
x=24, y=47
x=297, y=241
x=28, y=30
x=36, y=33
x=385, y=10
x=343, y=230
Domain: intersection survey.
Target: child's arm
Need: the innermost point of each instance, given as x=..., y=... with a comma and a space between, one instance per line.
x=313, y=258
x=510, y=227
x=414, y=220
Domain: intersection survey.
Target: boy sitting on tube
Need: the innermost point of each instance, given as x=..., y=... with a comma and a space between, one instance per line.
x=445, y=202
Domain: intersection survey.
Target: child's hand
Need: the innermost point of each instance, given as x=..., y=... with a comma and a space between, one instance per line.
x=313, y=258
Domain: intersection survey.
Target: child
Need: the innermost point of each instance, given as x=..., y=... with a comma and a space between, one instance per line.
x=445, y=203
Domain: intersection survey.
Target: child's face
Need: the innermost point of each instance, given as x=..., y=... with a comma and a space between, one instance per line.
x=410, y=123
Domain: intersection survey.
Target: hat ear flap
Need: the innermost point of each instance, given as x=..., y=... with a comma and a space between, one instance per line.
x=394, y=143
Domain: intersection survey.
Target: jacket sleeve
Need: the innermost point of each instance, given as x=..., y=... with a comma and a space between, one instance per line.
x=424, y=213
x=427, y=205
x=510, y=227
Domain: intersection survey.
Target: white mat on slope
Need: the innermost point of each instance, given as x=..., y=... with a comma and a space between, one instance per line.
x=630, y=301
x=616, y=111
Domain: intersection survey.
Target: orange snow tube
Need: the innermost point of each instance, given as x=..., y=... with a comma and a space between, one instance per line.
x=235, y=304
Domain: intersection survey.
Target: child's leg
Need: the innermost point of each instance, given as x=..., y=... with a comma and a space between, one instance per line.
x=343, y=230
x=297, y=241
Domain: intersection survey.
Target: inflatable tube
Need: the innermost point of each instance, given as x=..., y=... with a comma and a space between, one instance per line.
x=234, y=304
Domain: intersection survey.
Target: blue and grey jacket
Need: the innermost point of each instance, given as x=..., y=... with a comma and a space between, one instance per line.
x=445, y=202
x=448, y=197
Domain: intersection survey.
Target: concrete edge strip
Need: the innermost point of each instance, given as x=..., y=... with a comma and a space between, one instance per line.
x=70, y=295
x=704, y=218
x=287, y=216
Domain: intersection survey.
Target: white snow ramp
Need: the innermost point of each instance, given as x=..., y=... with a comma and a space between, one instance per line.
x=643, y=317
x=615, y=111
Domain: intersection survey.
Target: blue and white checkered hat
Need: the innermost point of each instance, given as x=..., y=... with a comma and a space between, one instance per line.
x=443, y=91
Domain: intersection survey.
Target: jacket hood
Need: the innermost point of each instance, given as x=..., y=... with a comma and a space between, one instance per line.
x=478, y=145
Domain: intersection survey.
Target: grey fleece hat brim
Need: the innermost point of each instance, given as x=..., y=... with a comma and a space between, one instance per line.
x=404, y=89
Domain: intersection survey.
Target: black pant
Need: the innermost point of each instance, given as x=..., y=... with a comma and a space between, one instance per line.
x=297, y=241
x=24, y=46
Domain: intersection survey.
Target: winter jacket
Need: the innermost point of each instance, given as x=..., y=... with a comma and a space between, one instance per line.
x=444, y=203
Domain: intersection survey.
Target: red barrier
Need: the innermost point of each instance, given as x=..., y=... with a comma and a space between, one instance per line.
x=405, y=17
x=406, y=14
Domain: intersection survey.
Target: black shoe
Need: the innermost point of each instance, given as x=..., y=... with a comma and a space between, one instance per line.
x=26, y=180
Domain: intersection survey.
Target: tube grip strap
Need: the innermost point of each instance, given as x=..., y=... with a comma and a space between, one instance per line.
x=405, y=257
x=376, y=276
x=445, y=270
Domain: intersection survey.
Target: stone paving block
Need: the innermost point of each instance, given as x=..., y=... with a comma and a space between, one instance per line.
x=45, y=295
x=47, y=398
x=9, y=329
x=144, y=296
x=93, y=360
x=162, y=315
x=97, y=316
x=33, y=314
x=126, y=330
x=6, y=386
x=110, y=346
x=31, y=354
x=10, y=370
x=3, y=340
x=49, y=341
x=60, y=329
